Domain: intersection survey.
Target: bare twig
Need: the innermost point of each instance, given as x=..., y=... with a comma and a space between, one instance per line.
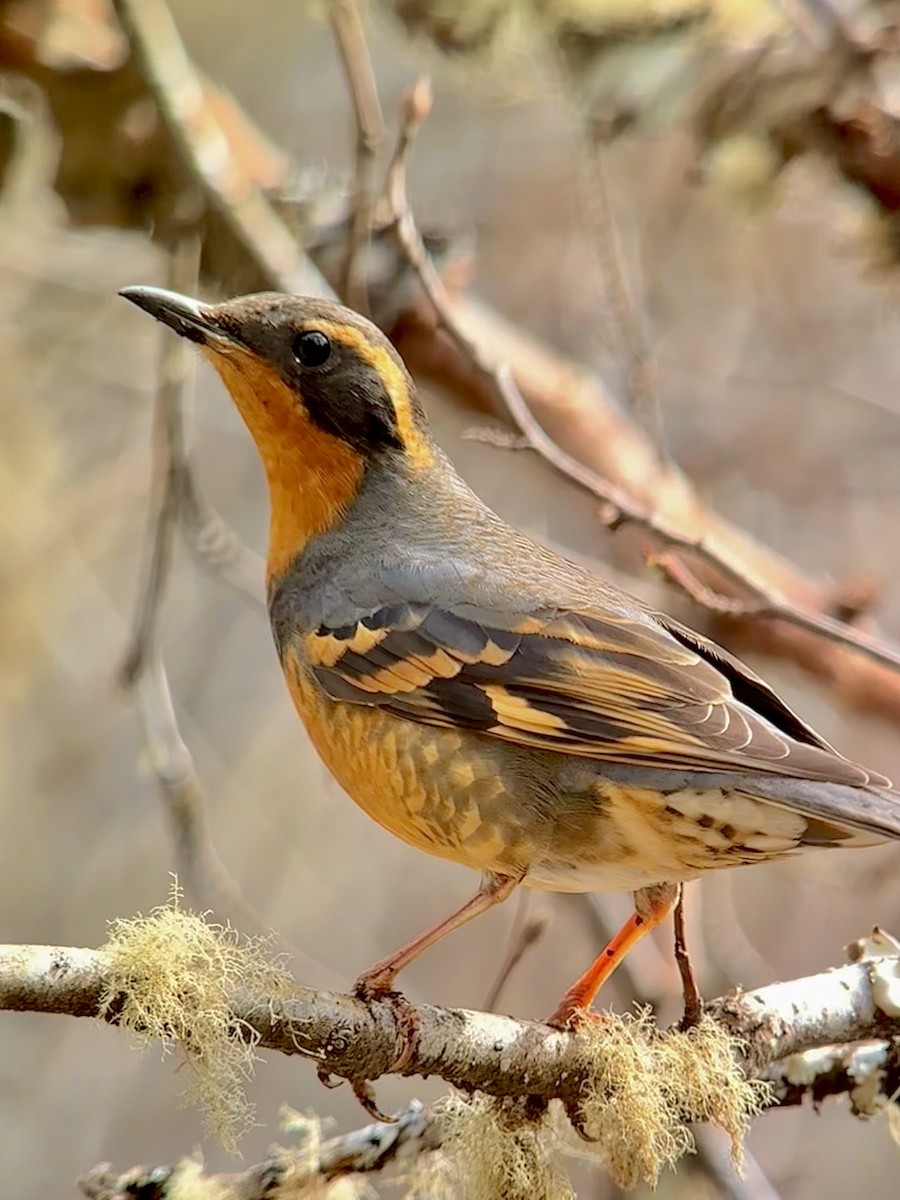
x=679, y=573
x=616, y=463
x=628, y=321
x=526, y=932
x=201, y=143
x=143, y=669
x=199, y=868
x=171, y=467
x=716, y=1162
x=218, y=547
x=762, y=603
x=358, y=72
x=197, y=865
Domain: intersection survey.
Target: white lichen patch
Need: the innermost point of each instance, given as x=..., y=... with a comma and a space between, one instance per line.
x=804, y=1068
x=878, y=944
x=173, y=978
x=885, y=976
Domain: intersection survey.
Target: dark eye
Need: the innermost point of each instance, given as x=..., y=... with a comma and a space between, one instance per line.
x=312, y=348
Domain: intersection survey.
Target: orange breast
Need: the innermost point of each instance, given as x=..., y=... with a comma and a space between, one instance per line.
x=430, y=787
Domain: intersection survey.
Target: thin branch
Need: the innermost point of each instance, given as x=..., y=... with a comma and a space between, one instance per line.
x=171, y=465
x=218, y=547
x=350, y=1038
x=143, y=671
x=716, y=1161
x=763, y=603
x=525, y=934
x=629, y=324
x=197, y=865
x=361, y=1152
x=354, y=51
x=201, y=143
x=621, y=510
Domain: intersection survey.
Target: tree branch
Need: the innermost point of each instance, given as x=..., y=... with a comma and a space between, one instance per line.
x=204, y=150
x=499, y=1055
x=362, y=1151
x=354, y=51
x=869, y=1074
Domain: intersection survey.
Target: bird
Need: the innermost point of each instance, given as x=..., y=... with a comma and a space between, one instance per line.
x=474, y=692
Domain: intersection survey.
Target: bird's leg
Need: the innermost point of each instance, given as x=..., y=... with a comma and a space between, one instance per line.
x=693, y=1001
x=651, y=906
x=379, y=978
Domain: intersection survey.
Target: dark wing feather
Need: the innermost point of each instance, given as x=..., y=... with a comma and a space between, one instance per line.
x=627, y=688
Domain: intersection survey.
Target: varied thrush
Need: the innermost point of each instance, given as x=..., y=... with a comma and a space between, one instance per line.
x=478, y=695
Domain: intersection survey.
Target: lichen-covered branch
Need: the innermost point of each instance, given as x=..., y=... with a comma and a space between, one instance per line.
x=622, y=1082
x=868, y=1074
x=496, y=1054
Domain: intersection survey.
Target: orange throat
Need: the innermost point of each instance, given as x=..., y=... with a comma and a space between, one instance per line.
x=313, y=476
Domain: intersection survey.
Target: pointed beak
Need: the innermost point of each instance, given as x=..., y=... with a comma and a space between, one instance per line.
x=187, y=317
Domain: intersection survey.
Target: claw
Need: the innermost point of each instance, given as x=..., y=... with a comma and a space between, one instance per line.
x=365, y=1094
x=374, y=985
x=571, y=1018
x=377, y=986
x=576, y=1120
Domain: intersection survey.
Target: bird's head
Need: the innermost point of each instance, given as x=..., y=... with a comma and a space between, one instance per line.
x=322, y=391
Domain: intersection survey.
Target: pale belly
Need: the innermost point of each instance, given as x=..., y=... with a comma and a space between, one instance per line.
x=474, y=800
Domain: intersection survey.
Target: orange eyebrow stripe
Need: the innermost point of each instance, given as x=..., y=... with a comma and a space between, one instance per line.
x=415, y=444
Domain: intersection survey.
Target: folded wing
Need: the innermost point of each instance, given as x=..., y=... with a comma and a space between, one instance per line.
x=631, y=689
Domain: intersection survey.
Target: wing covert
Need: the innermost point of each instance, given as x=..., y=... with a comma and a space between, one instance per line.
x=622, y=688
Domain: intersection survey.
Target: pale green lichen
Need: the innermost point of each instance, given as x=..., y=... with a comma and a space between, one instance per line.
x=173, y=977
x=644, y=1087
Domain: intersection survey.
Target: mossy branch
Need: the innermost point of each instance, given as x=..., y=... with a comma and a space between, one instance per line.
x=523, y=1088
x=499, y=1055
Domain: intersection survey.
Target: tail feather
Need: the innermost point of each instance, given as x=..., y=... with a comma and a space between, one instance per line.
x=836, y=814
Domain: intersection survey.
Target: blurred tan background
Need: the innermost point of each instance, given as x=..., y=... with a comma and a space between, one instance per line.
x=779, y=357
